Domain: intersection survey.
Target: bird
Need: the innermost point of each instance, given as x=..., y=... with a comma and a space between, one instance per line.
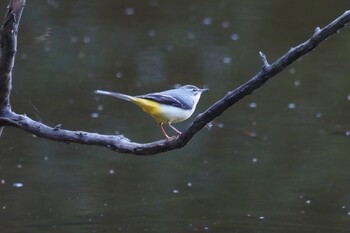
x=166, y=107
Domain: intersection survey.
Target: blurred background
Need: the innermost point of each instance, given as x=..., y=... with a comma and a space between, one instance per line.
x=277, y=161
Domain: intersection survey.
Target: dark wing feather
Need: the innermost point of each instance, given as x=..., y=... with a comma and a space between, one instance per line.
x=166, y=99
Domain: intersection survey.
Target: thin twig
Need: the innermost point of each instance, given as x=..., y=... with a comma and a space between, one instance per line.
x=264, y=61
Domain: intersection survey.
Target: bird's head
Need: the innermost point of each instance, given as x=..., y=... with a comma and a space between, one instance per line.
x=193, y=90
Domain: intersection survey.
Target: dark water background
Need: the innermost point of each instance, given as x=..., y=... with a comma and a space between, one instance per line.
x=277, y=161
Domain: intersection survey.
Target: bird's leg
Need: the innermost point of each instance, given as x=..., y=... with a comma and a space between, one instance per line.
x=163, y=131
x=175, y=129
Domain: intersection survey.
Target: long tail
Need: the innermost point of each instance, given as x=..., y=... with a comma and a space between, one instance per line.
x=115, y=94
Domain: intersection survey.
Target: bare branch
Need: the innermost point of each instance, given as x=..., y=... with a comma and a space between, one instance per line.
x=8, y=43
x=118, y=142
x=9, y=31
x=264, y=75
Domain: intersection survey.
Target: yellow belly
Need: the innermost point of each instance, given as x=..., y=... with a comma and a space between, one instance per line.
x=150, y=107
x=162, y=113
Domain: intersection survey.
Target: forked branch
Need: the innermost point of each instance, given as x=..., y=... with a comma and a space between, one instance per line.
x=118, y=142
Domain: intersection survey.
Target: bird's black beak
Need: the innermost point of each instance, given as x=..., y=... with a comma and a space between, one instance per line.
x=204, y=90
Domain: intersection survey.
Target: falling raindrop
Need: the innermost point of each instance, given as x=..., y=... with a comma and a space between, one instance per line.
x=253, y=134
x=17, y=185
x=191, y=35
x=87, y=39
x=297, y=83
x=129, y=11
x=221, y=125
x=169, y=48
x=119, y=74
x=227, y=60
x=253, y=105
x=207, y=21
x=73, y=39
x=234, y=37
x=292, y=70
x=225, y=24
x=175, y=191
x=152, y=33
x=100, y=107
x=154, y=3
x=318, y=115
x=111, y=172
x=95, y=115
x=291, y=105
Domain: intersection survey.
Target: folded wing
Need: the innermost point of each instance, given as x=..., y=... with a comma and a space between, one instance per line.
x=168, y=100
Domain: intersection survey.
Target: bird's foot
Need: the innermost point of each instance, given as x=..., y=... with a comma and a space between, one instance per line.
x=167, y=139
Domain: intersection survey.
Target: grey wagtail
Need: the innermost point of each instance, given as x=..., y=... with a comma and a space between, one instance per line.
x=170, y=106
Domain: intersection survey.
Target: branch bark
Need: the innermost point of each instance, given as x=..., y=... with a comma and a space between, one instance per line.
x=120, y=143
x=9, y=32
x=8, y=43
